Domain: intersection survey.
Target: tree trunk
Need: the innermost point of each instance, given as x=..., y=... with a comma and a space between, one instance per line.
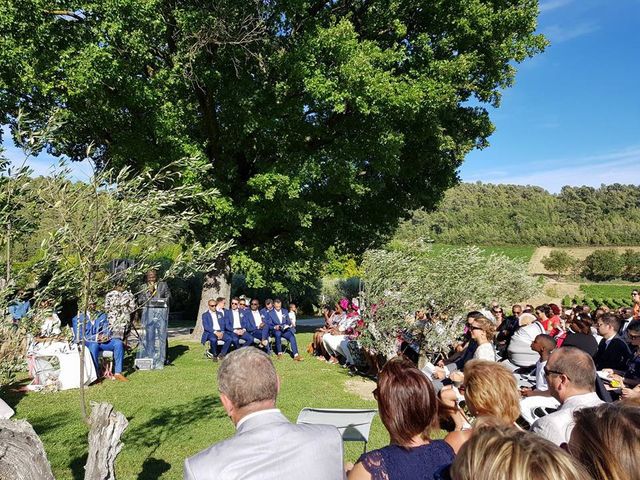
x=22, y=455
x=107, y=427
x=217, y=283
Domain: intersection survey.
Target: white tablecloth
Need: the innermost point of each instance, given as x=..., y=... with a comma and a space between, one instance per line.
x=68, y=356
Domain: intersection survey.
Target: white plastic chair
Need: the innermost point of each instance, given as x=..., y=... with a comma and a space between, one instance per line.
x=353, y=424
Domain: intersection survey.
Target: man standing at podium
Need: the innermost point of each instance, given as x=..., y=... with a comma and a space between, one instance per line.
x=154, y=300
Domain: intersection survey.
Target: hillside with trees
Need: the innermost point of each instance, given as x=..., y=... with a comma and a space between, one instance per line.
x=486, y=214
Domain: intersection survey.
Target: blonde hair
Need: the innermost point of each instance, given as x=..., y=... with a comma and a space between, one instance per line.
x=491, y=390
x=488, y=327
x=606, y=440
x=500, y=452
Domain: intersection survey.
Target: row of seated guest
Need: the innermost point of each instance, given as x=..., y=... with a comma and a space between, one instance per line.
x=252, y=326
x=602, y=439
x=98, y=337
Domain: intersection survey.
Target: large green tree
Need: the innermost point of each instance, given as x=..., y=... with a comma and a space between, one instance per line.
x=324, y=121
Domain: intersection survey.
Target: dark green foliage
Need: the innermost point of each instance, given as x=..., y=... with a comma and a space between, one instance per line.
x=559, y=261
x=485, y=214
x=603, y=265
x=325, y=122
x=566, y=301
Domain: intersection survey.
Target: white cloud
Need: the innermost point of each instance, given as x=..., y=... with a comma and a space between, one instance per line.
x=559, y=34
x=620, y=166
x=553, y=5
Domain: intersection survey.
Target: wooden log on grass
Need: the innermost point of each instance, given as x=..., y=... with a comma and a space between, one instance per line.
x=106, y=428
x=22, y=455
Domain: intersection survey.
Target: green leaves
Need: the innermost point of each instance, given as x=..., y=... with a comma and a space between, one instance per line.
x=324, y=122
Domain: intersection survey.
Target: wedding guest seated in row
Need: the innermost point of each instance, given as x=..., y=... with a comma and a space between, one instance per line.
x=256, y=325
x=408, y=409
x=501, y=452
x=336, y=341
x=215, y=325
x=613, y=352
x=629, y=378
x=571, y=376
x=539, y=397
x=280, y=327
x=235, y=327
x=579, y=335
x=606, y=440
x=490, y=394
x=331, y=320
x=97, y=336
x=266, y=446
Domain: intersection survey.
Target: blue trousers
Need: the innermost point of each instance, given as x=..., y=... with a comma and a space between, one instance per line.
x=213, y=343
x=262, y=334
x=289, y=334
x=114, y=345
x=246, y=336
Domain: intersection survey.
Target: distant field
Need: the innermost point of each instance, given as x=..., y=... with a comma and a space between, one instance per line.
x=521, y=253
x=579, y=253
x=607, y=291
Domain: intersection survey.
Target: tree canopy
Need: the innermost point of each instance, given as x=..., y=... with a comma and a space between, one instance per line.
x=324, y=122
x=485, y=214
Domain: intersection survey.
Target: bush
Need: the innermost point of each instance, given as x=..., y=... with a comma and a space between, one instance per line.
x=603, y=265
x=559, y=262
x=566, y=301
x=447, y=285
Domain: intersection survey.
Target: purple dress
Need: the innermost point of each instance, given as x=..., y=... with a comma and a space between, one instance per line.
x=418, y=463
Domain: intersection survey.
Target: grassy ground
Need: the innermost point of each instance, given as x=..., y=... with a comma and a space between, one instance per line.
x=175, y=412
x=518, y=252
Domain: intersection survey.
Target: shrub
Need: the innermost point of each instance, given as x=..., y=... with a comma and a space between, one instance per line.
x=559, y=261
x=566, y=301
x=447, y=285
x=603, y=265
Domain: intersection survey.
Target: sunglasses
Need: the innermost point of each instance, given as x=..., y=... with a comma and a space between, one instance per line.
x=234, y=303
x=473, y=327
x=255, y=303
x=632, y=336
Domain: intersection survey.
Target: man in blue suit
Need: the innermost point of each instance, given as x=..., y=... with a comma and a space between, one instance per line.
x=235, y=328
x=280, y=326
x=97, y=335
x=214, y=323
x=256, y=325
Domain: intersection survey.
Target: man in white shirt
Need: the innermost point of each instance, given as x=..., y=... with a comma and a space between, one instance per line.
x=540, y=396
x=571, y=375
x=235, y=329
x=266, y=445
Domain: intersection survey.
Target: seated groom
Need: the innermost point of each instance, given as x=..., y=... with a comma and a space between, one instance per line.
x=280, y=326
x=214, y=323
x=266, y=445
x=235, y=328
x=255, y=323
x=98, y=337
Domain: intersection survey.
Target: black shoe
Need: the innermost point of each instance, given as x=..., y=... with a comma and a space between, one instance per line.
x=208, y=354
x=215, y=359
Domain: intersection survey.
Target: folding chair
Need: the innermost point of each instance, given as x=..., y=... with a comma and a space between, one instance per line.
x=353, y=424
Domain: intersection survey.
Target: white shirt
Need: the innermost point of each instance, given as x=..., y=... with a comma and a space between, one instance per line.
x=279, y=315
x=292, y=318
x=216, y=324
x=236, y=319
x=541, y=378
x=557, y=426
x=485, y=352
x=257, y=318
x=255, y=414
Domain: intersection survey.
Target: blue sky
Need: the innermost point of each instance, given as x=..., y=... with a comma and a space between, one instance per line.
x=573, y=115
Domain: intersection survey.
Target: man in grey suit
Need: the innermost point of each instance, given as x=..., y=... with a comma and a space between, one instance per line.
x=266, y=445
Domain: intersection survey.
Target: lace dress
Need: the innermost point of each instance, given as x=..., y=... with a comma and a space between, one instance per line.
x=418, y=463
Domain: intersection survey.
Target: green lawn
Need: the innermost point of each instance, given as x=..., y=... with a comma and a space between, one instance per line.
x=174, y=413
x=522, y=253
